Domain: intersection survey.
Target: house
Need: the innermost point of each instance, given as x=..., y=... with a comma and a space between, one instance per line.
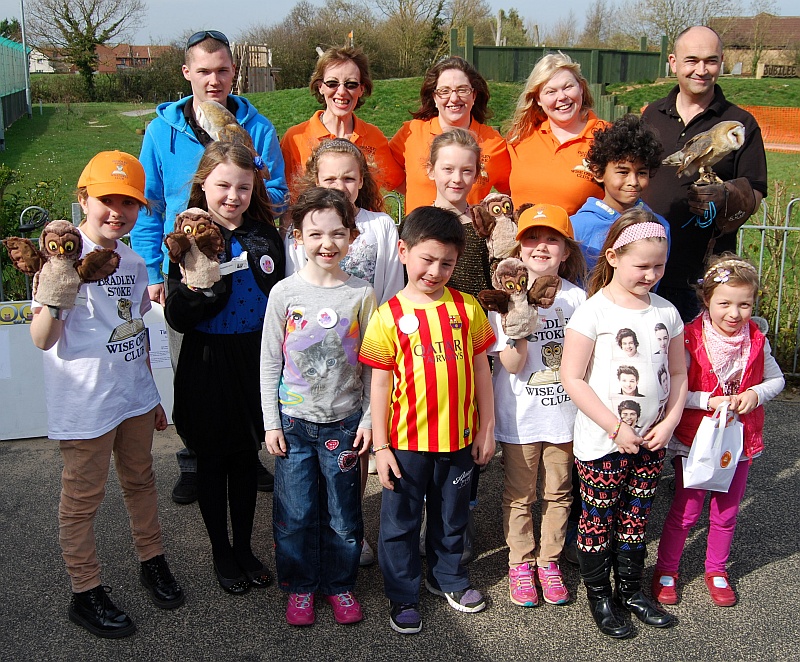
x=127, y=56
x=764, y=39
x=40, y=63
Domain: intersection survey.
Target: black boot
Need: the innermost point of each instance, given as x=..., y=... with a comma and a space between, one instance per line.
x=94, y=611
x=629, y=567
x=165, y=591
x=596, y=575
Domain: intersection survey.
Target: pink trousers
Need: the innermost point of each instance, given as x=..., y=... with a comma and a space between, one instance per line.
x=687, y=505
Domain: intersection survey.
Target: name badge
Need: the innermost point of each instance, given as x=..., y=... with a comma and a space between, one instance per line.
x=236, y=264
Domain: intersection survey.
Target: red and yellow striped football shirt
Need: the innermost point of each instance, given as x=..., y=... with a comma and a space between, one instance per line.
x=430, y=349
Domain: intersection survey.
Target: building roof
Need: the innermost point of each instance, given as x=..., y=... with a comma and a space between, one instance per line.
x=778, y=31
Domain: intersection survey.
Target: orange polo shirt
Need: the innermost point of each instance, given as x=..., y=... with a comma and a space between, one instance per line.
x=411, y=147
x=544, y=170
x=301, y=139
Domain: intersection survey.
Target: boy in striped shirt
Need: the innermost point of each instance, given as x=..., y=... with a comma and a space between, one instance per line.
x=432, y=388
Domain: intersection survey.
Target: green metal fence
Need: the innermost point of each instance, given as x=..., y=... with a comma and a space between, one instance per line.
x=12, y=84
x=605, y=66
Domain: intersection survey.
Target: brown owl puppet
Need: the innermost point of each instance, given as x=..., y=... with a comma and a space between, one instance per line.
x=195, y=245
x=517, y=296
x=57, y=267
x=495, y=220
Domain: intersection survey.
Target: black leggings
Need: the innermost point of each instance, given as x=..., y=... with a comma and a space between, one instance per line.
x=228, y=480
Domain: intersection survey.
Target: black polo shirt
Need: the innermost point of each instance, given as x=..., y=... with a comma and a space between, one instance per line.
x=666, y=194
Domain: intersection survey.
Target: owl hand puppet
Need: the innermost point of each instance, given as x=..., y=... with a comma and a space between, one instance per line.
x=706, y=149
x=57, y=267
x=195, y=246
x=517, y=296
x=495, y=220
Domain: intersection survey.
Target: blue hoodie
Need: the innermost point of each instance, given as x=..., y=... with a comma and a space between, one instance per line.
x=591, y=223
x=170, y=155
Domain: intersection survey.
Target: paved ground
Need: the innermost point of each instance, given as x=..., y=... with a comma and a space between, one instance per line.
x=764, y=567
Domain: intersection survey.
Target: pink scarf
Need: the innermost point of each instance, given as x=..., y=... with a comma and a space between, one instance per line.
x=728, y=354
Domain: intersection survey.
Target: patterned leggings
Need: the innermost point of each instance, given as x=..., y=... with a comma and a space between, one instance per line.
x=617, y=494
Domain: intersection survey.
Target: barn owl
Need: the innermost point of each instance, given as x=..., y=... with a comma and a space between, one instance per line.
x=220, y=123
x=57, y=267
x=706, y=149
x=195, y=245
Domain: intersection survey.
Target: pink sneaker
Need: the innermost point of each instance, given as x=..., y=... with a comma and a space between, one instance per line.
x=300, y=609
x=553, y=590
x=521, y=587
x=346, y=609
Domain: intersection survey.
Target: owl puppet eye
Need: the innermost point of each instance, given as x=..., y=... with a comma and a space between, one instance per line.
x=201, y=227
x=69, y=246
x=506, y=207
x=510, y=285
x=52, y=245
x=187, y=229
x=496, y=210
x=523, y=283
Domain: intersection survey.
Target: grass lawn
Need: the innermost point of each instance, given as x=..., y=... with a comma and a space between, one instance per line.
x=54, y=146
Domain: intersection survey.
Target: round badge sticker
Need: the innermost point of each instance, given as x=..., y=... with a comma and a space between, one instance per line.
x=327, y=318
x=408, y=324
x=267, y=264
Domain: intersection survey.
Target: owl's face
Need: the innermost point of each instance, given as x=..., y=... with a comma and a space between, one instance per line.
x=516, y=283
x=60, y=239
x=551, y=354
x=511, y=276
x=499, y=205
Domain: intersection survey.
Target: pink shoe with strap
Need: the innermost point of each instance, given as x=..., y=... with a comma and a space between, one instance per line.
x=553, y=590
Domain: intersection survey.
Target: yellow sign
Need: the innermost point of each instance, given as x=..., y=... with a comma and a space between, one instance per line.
x=15, y=312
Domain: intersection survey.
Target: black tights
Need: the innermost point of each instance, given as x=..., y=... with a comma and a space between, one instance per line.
x=222, y=481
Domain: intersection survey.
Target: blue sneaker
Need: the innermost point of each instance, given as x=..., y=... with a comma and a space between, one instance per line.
x=405, y=617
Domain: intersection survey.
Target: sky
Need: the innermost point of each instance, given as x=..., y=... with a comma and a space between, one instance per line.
x=168, y=20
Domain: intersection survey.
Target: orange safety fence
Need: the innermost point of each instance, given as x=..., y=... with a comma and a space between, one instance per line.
x=780, y=127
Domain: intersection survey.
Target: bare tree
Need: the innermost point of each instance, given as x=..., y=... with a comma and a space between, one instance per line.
x=599, y=25
x=409, y=28
x=77, y=27
x=654, y=18
x=763, y=18
x=564, y=32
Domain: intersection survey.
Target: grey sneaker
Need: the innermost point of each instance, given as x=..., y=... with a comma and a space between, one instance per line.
x=469, y=600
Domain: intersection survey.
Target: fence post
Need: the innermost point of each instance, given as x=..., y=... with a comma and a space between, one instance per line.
x=468, y=43
x=662, y=60
x=594, y=67
x=453, y=41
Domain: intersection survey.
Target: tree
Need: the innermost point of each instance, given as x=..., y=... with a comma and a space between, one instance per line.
x=563, y=33
x=77, y=27
x=512, y=28
x=598, y=25
x=763, y=17
x=654, y=18
x=10, y=29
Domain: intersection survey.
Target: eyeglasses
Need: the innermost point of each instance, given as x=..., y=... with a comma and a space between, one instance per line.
x=197, y=37
x=348, y=84
x=444, y=92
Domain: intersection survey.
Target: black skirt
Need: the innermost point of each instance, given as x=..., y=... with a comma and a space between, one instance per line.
x=217, y=408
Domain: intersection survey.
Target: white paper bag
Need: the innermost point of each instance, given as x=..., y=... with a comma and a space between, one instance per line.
x=715, y=452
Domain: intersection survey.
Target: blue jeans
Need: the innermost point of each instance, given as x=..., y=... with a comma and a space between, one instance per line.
x=316, y=513
x=445, y=479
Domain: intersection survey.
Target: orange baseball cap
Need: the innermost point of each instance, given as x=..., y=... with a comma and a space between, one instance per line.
x=114, y=173
x=548, y=216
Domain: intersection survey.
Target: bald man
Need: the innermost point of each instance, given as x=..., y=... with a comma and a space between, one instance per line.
x=695, y=105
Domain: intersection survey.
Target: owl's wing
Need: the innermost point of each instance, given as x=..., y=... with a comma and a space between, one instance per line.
x=97, y=264
x=520, y=209
x=24, y=255
x=177, y=244
x=694, y=153
x=482, y=221
x=494, y=300
x=210, y=243
x=543, y=291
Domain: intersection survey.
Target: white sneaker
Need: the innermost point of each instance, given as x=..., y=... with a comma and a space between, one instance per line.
x=367, y=555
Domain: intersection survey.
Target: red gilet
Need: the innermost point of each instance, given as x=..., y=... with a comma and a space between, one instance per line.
x=703, y=378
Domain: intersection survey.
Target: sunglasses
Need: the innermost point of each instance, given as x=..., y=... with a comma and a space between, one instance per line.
x=197, y=37
x=462, y=92
x=348, y=84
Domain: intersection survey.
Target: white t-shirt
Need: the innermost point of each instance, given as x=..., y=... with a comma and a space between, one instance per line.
x=532, y=405
x=96, y=374
x=372, y=256
x=632, y=380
